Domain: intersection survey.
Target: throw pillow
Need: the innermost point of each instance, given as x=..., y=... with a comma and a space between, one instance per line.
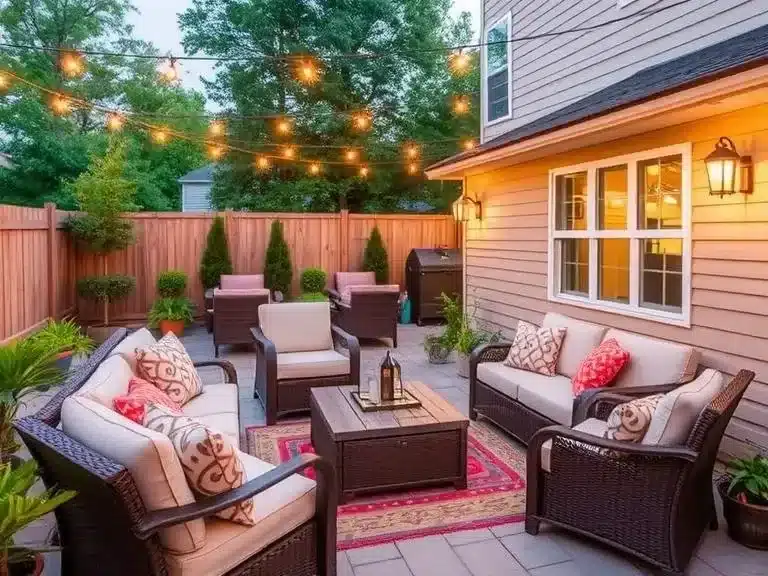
x=168, y=366
x=630, y=421
x=140, y=393
x=209, y=458
x=600, y=367
x=535, y=349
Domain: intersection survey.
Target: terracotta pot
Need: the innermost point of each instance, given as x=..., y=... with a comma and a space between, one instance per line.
x=32, y=567
x=175, y=326
x=747, y=523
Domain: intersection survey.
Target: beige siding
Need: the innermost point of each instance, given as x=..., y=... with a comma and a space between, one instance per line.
x=506, y=252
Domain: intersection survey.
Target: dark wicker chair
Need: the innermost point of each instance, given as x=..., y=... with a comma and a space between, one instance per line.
x=235, y=312
x=230, y=282
x=368, y=314
x=105, y=529
x=650, y=501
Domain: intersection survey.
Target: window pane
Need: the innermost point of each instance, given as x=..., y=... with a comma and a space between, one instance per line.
x=571, y=202
x=498, y=95
x=497, y=53
x=661, y=274
x=613, y=257
x=574, y=266
x=612, y=198
x=660, y=184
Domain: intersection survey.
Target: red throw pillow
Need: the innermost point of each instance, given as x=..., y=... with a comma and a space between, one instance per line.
x=600, y=367
x=140, y=393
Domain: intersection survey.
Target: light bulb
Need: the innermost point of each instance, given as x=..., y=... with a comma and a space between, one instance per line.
x=289, y=152
x=413, y=168
x=411, y=151
x=215, y=152
x=314, y=169
x=60, y=105
x=160, y=136
x=115, y=122
x=361, y=120
x=308, y=72
x=351, y=155
x=72, y=64
x=169, y=70
x=469, y=144
x=283, y=126
x=460, y=106
x=216, y=128
x=459, y=62
x=364, y=171
x=262, y=163
x=5, y=82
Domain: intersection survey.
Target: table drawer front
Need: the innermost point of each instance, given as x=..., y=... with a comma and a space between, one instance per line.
x=382, y=462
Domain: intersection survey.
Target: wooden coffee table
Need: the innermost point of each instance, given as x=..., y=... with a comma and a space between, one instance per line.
x=389, y=450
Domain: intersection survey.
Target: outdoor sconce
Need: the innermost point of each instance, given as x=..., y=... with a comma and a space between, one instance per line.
x=722, y=165
x=466, y=209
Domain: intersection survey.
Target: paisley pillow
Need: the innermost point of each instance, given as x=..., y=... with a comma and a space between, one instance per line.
x=629, y=422
x=535, y=349
x=209, y=458
x=141, y=393
x=168, y=366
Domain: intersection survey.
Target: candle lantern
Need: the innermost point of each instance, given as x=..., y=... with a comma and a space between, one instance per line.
x=391, y=382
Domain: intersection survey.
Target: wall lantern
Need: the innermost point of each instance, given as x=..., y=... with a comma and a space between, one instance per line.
x=723, y=164
x=466, y=209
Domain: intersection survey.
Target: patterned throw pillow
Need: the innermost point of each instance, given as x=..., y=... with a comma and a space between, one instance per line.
x=600, y=367
x=630, y=421
x=140, y=394
x=168, y=366
x=535, y=349
x=209, y=459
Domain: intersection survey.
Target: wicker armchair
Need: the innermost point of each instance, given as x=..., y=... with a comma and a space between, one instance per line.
x=650, y=501
x=230, y=282
x=235, y=312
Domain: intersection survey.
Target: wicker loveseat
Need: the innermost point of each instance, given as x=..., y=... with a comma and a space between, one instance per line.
x=134, y=513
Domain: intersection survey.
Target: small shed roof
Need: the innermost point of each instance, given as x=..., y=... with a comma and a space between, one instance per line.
x=437, y=258
x=204, y=174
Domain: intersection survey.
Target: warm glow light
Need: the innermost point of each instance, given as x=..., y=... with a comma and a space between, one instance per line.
x=669, y=199
x=459, y=63
x=460, y=105
x=289, y=152
x=364, y=171
x=262, y=163
x=283, y=126
x=5, y=82
x=314, y=168
x=351, y=155
x=169, y=70
x=469, y=145
x=72, y=64
x=361, y=120
x=160, y=136
x=60, y=105
x=466, y=209
x=217, y=128
x=215, y=152
x=411, y=151
x=413, y=168
x=115, y=122
x=723, y=166
x=308, y=72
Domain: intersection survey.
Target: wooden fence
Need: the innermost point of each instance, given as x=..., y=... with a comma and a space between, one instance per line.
x=34, y=285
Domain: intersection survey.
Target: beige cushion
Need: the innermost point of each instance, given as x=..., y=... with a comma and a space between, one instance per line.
x=279, y=510
x=149, y=457
x=168, y=366
x=241, y=281
x=580, y=339
x=346, y=279
x=346, y=296
x=108, y=381
x=127, y=348
x=629, y=422
x=653, y=362
x=297, y=326
x=311, y=364
x=590, y=426
x=217, y=407
x=553, y=398
x=678, y=410
x=505, y=379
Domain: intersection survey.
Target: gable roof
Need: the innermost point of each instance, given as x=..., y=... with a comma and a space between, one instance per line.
x=204, y=174
x=748, y=50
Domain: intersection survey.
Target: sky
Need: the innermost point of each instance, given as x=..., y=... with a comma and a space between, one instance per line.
x=156, y=22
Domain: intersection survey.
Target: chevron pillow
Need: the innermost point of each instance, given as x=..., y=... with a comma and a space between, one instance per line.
x=600, y=367
x=535, y=349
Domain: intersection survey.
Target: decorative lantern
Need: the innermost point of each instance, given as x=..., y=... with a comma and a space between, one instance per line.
x=722, y=165
x=466, y=209
x=390, y=382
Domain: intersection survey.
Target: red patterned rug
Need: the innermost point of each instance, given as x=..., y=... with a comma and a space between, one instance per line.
x=495, y=492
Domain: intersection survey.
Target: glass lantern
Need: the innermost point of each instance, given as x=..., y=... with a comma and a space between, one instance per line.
x=391, y=380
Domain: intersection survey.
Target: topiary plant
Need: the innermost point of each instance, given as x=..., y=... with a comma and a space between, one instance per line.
x=375, y=257
x=216, y=260
x=106, y=289
x=171, y=284
x=313, y=280
x=278, y=271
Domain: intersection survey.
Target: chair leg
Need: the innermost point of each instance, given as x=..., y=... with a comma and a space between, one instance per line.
x=216, y=350
x=532, y=526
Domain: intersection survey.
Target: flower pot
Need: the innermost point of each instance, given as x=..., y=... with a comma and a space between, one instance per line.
x=747, y=523
x=462, y=365
x=64, y=361
x=175, y=326
x=437, y=353
x=31, y=567
x=99, y=334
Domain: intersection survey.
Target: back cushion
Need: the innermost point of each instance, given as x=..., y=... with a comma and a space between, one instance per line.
x=654, y=362
x=110, y=380
x=346, y=279
x=677, y=411
x=346, y=296
x=580, y=339
x=297, y=326
x=127, y=348
x=239, y=292
x=150, y=458
x=242, y=281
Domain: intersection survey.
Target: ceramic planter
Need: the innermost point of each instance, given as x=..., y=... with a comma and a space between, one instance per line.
x=747, y=523
x=175, y=326
x=32, y=567
x=462, y=365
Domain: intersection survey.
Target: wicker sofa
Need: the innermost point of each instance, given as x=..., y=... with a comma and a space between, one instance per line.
x=134, y=512
x=522, y=402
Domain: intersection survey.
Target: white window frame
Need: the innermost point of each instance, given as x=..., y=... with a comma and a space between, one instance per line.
x=507, y=18
x=633, y=233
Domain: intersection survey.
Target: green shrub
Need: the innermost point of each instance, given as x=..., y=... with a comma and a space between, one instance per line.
x=172, y=283
x=216, y=260
x=375, y=257
x=179, y=308
x=106, y=289
x=278, y=271
x=313, y=280
x=63, y=336
x=313, y=297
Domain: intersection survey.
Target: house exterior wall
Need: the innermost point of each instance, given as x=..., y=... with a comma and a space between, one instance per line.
x=550, y=73
x=506, y=269
x=196, y=197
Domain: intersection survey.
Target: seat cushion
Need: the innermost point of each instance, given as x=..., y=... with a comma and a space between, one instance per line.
x=127, y=348
x=278, y=510
x=580, y=339
x=553, y=398
x=149, y=456
x=505, y=379
x=677, y=411
x=168, y=366
x=311, y=364
x=223, y=292
x=241, y=281
x=109, y=380
x=346, y=279
x=297, y=326
x=653, y=362
x=535, y=349
x=590, y=426
x=217, y=407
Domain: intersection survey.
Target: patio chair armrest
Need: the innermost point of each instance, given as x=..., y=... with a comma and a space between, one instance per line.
x=352, y=344
x=262, y=341
x=495, y=352
x=332, y=294
x=598, y=402
x=227, y=367
x=158, y=519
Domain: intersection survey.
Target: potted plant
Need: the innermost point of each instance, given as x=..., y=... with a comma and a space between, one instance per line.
x=745, y=501
x=437, y=349
x=439, y=346
x=18, y=509
x=312, y=283
x=171, y=314
x=105, y=290
x=66, y=338
x=469, y=339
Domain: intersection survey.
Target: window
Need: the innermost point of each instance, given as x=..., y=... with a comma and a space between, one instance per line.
x=497, y=58
x=620, y=235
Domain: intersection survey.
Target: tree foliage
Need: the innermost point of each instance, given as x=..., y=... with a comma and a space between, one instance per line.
x=278, y=270
x=216, y=260
x=375, y=257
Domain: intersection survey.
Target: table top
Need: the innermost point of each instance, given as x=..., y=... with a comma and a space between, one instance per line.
x=347, y=421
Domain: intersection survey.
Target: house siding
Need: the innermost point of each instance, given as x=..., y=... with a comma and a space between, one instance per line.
x=196, y=197
x=550, y=73
x=506, y=257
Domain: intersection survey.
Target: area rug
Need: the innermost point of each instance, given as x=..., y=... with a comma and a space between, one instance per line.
x=495, y=491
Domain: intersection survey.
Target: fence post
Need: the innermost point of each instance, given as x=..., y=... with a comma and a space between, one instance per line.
x=344, y=241
x=53, y=260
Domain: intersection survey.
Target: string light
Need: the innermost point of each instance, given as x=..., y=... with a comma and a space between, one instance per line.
x=216, y=152
x=413, y=168
x=469, y=144
x=289, y=152
x=217, y=128
x=5, y=82
x=160, y=136
x=283, y=126
x=361, y=120
x=364, y=171
x=169, y=70
x=72, y=63
x=115, y=122
x=262, y=163
x=308, y=71
x=411, y=151
x=314, y=168
x=459, y=63
x=460, y=105
x=351, y=155
x=60, y=105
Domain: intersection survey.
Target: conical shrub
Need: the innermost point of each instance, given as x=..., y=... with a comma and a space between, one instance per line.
x=375, y=257
x=216, y=260
x=278, y=270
